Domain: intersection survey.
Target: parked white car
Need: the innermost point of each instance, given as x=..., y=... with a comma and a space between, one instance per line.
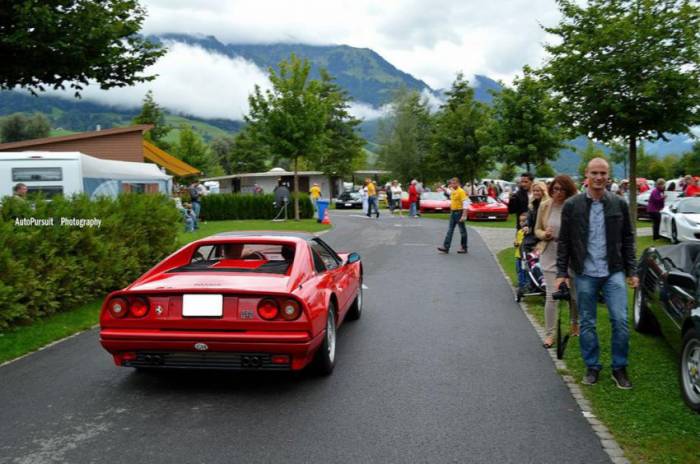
x=680, y=220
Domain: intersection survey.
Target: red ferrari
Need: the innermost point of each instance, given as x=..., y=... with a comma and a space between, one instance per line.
x=244, y=301
x=430, y=202
x=485, y=208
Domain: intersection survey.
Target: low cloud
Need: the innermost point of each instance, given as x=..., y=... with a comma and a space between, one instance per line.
x=190, y=80
x=367, y=112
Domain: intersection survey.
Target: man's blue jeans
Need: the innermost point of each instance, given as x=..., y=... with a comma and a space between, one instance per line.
x=372, y=204
x=196, y=208
x=615, y=295
x=455, y=217
x=412, y=210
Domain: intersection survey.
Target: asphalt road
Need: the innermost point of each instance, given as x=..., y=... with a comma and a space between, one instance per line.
x=442, y=367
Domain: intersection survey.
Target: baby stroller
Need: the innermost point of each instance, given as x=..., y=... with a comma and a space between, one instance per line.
x=530, y=262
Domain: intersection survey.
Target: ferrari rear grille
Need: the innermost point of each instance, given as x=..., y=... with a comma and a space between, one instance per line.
x=187, y=360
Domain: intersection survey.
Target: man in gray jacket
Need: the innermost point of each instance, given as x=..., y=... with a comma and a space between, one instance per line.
x=597, y=242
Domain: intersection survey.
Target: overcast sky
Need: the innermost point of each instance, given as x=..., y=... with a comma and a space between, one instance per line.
x=432, y=40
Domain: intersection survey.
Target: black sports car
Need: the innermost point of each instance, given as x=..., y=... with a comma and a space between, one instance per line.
x=667, y=302
x=348, y=200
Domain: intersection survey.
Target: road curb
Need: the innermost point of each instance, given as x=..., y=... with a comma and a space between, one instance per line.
x=607, y=441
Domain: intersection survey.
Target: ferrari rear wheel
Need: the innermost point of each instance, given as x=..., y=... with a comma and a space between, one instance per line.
x=644, y=321
x=690, y=370
x=355, y=310
x=325, y=357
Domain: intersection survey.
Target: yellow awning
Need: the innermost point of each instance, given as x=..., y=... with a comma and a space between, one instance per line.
x=169, y=162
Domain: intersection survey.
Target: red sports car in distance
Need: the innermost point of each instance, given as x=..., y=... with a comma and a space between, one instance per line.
x=244, y=301
x=485, y=208
x=430, y=202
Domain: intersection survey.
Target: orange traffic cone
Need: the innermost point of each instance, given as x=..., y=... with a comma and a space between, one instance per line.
x=326, y=218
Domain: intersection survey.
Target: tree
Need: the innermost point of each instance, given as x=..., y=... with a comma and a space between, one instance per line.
x=456, y=149
x=240, y=153
x=545, y=170
x=404, y=136
x=619, y=154
x=290, y=118
x=51, y=43
x=590, y=152
x=690, y=162
x=627, y=69
x=524, y=128
x=18, y=126
x=152, y=113
x=342, y=145
x=193, y=151
x=507, y=172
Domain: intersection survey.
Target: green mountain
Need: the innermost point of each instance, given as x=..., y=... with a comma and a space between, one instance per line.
x=72, y=115
x=366, y=76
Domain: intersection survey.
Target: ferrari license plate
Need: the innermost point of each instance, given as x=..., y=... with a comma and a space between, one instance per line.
x=202, y=305
x=348, y=204
x=492, y=217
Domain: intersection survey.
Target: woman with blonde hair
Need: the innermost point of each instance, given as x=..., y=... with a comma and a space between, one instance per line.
x=539, y=194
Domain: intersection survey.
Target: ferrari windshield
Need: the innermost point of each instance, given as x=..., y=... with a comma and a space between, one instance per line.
x=481, y=199
x=274, y=258
x=689, y=206
x=434, y=196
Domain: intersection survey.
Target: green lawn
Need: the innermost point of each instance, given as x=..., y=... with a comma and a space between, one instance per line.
x=215, y=227
x=509, y=224
x=24, y=339
x=650, y=422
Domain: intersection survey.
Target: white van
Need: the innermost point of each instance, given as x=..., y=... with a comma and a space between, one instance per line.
x=50, y=173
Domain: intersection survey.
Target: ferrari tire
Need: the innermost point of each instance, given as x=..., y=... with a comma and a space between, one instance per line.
x=644, y=321
x=355, y=311
x=674, y=232
x=690, y=370
x=325, y=356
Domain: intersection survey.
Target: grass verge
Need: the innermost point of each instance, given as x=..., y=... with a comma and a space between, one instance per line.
x=21, y=340
x=24, y=339
x=508, y=224
x=650, y=422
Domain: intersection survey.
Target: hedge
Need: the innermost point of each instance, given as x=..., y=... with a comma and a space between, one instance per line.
x=47, y=269
x=227, y=206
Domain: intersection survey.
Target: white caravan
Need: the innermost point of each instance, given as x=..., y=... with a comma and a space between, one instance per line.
x=56, y=173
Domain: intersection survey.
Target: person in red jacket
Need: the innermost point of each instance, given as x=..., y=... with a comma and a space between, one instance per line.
x=413, y=199
x=693, y=189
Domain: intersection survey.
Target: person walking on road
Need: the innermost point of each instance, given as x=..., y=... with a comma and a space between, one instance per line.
x=371, y=198
x=547, y=231
x=596, y=241
x=655, y=205
x=520, y=201
x=413, y=199
x=396, y=193
x=315, y=194
x=458, y=214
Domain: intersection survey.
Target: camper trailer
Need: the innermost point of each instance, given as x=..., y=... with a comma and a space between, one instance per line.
x=55, y=173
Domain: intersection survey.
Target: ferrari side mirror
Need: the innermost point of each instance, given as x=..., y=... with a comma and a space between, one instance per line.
x=353, y=258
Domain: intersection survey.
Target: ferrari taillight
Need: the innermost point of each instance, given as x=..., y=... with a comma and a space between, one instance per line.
x=118, y=307
x=290, y=310
x=268, y=309
x=138, y=308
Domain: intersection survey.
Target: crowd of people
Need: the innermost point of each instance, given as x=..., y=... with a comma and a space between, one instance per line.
x=584, y=243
